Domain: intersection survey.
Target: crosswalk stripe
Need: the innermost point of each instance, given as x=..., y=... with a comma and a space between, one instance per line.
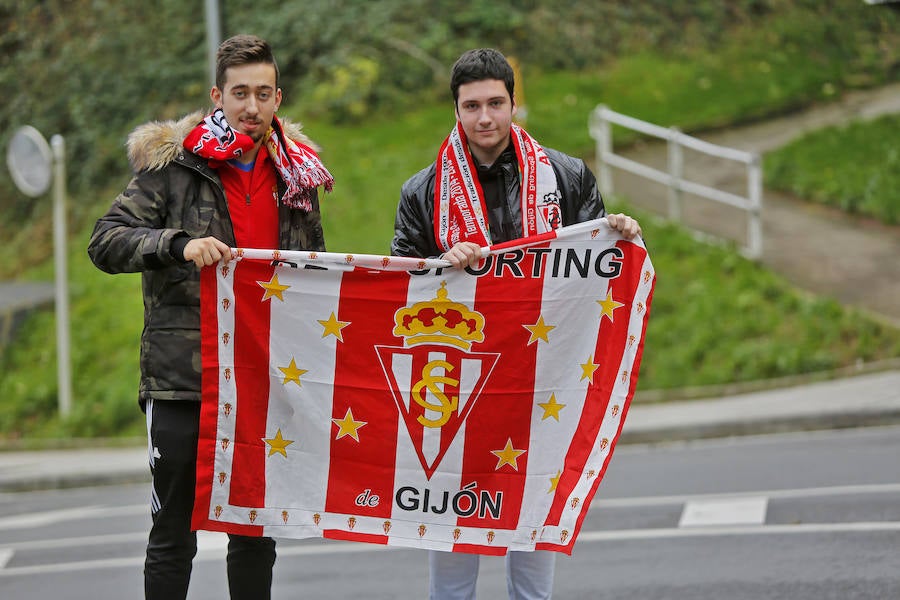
x=729, y=511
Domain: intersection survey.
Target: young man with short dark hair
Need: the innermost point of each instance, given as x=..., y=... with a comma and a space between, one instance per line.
x=238, y=177
x=472, y=196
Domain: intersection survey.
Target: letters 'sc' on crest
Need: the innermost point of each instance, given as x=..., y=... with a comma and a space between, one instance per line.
x=426, y=374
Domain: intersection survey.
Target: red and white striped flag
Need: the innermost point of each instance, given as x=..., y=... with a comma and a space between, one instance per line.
x=398, y=401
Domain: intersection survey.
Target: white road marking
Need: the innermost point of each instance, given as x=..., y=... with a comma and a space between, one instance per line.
x=685, y=532
x=207, y=541
x=211, y=545
x=43, y=519
x=839, y=490
x=333, y=547
x=212, y=541
x=319, y=549
x=52, y=517
x=728, y=511
x=78, y=542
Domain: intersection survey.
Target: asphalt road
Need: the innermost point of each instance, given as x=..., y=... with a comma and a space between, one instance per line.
x=799, y=516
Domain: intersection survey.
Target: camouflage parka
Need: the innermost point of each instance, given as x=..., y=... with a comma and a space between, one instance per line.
x=174, y=193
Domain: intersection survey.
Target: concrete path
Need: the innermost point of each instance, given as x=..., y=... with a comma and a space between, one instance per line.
x=852, y=259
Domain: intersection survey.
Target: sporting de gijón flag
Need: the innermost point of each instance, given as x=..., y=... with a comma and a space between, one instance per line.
x=400, y=401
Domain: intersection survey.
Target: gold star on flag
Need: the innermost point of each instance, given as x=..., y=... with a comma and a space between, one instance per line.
x=292, y=373
x=333, y=327
x=507, y=456
x=539, y=330
x=348, y=426
x=273, y=288
x=551, y=408
x=588, y=368
x=554, y=481
x=278, y=444
x=608, y=306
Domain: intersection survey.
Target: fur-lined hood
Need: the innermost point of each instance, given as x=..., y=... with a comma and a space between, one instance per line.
x=153, y=145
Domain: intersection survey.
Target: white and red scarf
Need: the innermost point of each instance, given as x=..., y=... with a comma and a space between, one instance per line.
x=298, y=164
x=459, y=201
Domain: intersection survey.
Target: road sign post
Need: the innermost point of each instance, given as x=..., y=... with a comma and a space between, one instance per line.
x=33, y=165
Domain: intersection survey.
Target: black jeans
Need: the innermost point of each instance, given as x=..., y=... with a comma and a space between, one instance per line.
x=173, y=427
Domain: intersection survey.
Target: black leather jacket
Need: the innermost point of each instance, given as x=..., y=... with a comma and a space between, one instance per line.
x=414, y=223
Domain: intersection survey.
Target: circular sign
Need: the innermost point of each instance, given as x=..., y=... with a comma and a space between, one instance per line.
x=30, y=161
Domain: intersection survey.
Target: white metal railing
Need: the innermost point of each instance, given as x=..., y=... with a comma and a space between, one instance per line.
x=601, y=132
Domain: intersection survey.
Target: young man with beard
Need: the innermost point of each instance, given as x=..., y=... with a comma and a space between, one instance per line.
x=238, y=177
x=473, y=196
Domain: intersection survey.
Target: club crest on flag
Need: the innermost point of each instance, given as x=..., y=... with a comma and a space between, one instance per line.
x=434, y=377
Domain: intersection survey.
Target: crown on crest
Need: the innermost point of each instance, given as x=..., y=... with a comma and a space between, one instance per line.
x=440, y=321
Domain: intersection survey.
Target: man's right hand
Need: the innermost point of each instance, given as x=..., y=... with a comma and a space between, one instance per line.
x=206, y=251
x=463, y=254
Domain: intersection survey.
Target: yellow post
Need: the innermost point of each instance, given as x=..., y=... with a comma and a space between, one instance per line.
x=522, y=111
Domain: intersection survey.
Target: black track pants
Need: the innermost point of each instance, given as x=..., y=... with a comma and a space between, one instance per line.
x=172, y=428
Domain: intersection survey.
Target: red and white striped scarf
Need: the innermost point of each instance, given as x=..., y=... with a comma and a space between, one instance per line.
x=298, y=164
x=459, y=201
